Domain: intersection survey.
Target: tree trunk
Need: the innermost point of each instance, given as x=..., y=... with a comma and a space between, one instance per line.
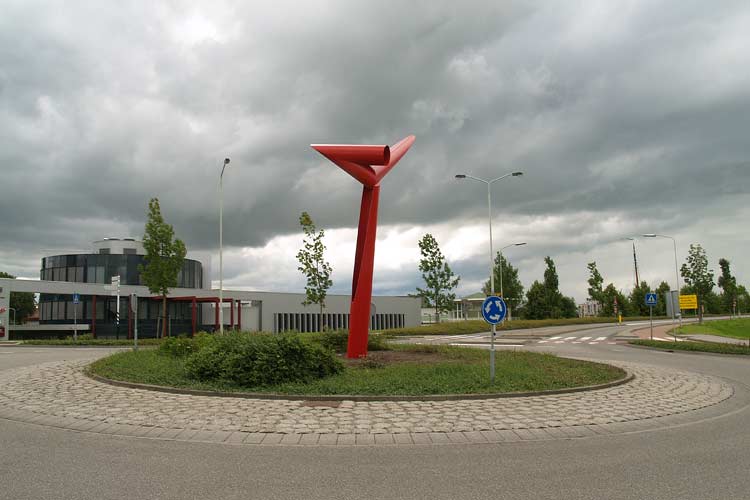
x=164, y=317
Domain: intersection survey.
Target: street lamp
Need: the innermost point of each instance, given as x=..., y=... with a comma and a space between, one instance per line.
x=492, y=260
x=221, y=246
x=676, y=273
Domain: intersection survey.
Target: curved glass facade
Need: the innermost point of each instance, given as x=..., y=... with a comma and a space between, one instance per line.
x=99, y=268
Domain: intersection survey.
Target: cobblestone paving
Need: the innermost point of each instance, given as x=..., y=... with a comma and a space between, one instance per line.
x=60, y=394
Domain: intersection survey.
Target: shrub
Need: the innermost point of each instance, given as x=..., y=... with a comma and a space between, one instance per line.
x=260, y=359
x=177, y=347
x=337, y=340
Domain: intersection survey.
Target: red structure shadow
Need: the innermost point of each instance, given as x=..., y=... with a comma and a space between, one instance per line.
x=368, y=164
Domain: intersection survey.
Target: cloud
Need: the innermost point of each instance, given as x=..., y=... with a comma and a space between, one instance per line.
x=625, y=119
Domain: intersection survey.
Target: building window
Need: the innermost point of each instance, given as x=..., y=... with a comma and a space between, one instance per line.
x=104, y=250
x=129, y=251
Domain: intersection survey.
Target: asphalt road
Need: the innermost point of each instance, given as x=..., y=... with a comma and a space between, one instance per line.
x=701, y=461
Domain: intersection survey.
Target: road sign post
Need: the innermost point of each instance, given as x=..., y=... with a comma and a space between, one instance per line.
x=76, y=301
x=134, y=312
x=493, y=312
x=651, y=302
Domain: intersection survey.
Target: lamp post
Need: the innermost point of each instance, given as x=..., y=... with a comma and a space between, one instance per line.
x=492, y=260
x=221, y=246
x=676, y=273
x=501, y=271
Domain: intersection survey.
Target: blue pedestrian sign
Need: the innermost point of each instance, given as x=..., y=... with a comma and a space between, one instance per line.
x=650, y=299
x=493, y=309
x=76, y=298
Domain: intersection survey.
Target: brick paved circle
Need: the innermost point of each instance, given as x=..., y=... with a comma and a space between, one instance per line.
x=60, y=394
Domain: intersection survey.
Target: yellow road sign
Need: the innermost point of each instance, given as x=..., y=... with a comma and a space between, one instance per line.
x=688, y=302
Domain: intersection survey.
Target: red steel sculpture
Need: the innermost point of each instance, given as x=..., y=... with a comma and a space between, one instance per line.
x=368, y=164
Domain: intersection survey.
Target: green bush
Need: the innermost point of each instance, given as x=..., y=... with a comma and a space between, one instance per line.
x=337, y=340
x=261, y=359
x=177, y=347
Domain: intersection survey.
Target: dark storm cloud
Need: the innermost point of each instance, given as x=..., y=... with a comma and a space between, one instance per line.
x=614, y=112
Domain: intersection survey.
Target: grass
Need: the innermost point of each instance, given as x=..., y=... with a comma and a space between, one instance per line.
x=694, y=346
x=733, y=328
x=90, y=342
x=459, y=371
x=478, y=326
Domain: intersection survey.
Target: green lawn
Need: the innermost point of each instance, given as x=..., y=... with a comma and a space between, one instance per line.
x=457, y=371
x=734, y=328
x=694, y=346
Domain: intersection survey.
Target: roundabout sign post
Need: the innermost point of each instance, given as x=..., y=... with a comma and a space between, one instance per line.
x=493, y=312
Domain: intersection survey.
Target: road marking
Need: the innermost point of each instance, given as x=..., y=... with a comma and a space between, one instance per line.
x=474, y=344
x=575, y=342
x=555, y=338
x=570, y=338
x=599, y=339
x=592, y=343
x=559, y=341
x=543, y=341
x=586, y=338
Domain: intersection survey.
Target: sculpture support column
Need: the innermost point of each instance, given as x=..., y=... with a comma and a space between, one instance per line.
x=368, y=164
x=359, y=319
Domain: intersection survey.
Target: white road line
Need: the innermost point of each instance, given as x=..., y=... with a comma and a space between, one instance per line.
x=555, y=338
x=612, y=343
x=570, y=338
x=592, y=343
x=599, y=339
x=575, y=342
x=559, y=341
x=586, y=338
x=543, y=341
x=474, y=344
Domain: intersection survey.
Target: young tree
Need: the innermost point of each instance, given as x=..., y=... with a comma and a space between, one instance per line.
x=697, y=275
x=313, y=265
x=728, y=285
x=512, y=287
x=552, y=294
x=164, y=257
x=437, y=275
x=612, y=296
x=23, y=303
x=595, y=283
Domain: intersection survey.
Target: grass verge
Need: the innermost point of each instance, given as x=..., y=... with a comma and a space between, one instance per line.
x=458, y=371
x=694, y=346
x=733, y=328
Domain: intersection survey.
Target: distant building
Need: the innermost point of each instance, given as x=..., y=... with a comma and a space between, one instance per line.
x=589, y=308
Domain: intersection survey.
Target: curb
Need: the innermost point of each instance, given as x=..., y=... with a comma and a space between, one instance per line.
x=681, y=351
x=436, y=397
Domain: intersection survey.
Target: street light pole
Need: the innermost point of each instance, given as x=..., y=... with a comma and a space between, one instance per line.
x=676, y=272
x=492, y=264
x=221, y=246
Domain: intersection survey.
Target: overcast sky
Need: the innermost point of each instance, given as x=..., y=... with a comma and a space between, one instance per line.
x=625, y=117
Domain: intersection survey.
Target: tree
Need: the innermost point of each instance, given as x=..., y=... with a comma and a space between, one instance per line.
x=661, y=299
x=164, y=257
x=313, y=265
x=728, y=285
x=438, y=277
x=512, y=287
x=553, y=297
x=611, y=296
x=544, y=300
x=697, y=275
x=743, y=299
x=595, y=283
x=23, y=303
x=536, y=302
x=638, y=299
